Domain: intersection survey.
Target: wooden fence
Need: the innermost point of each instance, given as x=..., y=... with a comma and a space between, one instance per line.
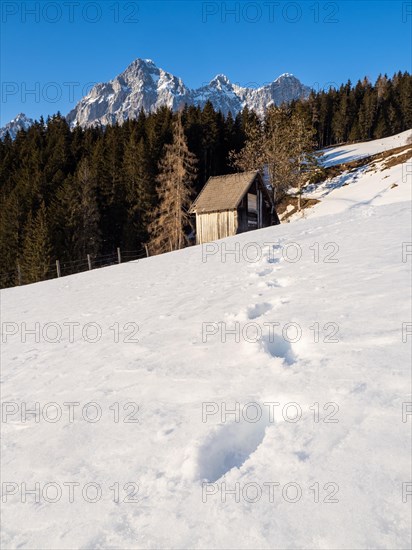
x=61, y=269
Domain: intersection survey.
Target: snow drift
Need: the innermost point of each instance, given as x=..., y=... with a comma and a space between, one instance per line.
x=250, y=393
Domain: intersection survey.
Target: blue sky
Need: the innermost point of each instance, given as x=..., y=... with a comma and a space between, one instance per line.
x=51, y=51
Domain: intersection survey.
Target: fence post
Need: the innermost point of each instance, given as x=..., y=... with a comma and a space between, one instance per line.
x=58, y=268
x=19, y=273
x=89, y=261
x=147, y=250
x=119, y=256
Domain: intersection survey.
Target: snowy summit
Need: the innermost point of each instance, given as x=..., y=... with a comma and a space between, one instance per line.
x=20, y=122
x=145, y=86
x=142, y=85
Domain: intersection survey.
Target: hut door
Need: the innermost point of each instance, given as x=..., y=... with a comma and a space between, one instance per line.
x=259, y=208
x=252, y=211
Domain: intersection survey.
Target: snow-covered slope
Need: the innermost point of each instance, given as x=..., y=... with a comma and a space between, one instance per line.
x=315, y=309
x=144, y=86
x=354, y=151
x=380, y=180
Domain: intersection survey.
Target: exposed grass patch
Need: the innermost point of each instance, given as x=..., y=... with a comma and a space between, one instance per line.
x=290, y=200
x=392, y=157
x=399, y=159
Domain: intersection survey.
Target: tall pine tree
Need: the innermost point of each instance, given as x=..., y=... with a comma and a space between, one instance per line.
x=35, y=256
x=177, y=171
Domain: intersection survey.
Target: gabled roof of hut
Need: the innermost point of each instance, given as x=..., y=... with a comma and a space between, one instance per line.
x=224, y=192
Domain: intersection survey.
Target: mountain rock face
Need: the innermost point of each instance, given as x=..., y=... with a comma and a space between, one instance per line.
x=144, y=86
x=141, y=86
x=229, y=97
x=21, y=122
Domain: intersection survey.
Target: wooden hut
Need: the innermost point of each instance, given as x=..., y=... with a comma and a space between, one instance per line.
x=232, y=204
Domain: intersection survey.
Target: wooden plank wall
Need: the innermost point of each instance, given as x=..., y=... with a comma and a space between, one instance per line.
x=215, y=225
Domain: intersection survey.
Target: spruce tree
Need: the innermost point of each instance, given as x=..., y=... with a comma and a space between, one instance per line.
x=35, y=256
x=139, y=192
x=177, y=171
x=210, y=132
x=83, y=213
x=252, y=155
x=9, y=239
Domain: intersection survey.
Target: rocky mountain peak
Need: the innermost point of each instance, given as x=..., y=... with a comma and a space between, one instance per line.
x=143, y=85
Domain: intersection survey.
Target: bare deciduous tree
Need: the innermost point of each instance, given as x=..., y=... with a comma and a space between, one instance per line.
x=283, y=146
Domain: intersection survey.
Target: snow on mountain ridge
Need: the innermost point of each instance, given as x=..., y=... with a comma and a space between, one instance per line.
x=151, y=87
x=20, y=122
x=143, y=85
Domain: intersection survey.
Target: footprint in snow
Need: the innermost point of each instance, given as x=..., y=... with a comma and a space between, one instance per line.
x=269, y=284
x=228, y=447
x=257, y=310
x=276, y=346
x=264, y=272
x=302, y=456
